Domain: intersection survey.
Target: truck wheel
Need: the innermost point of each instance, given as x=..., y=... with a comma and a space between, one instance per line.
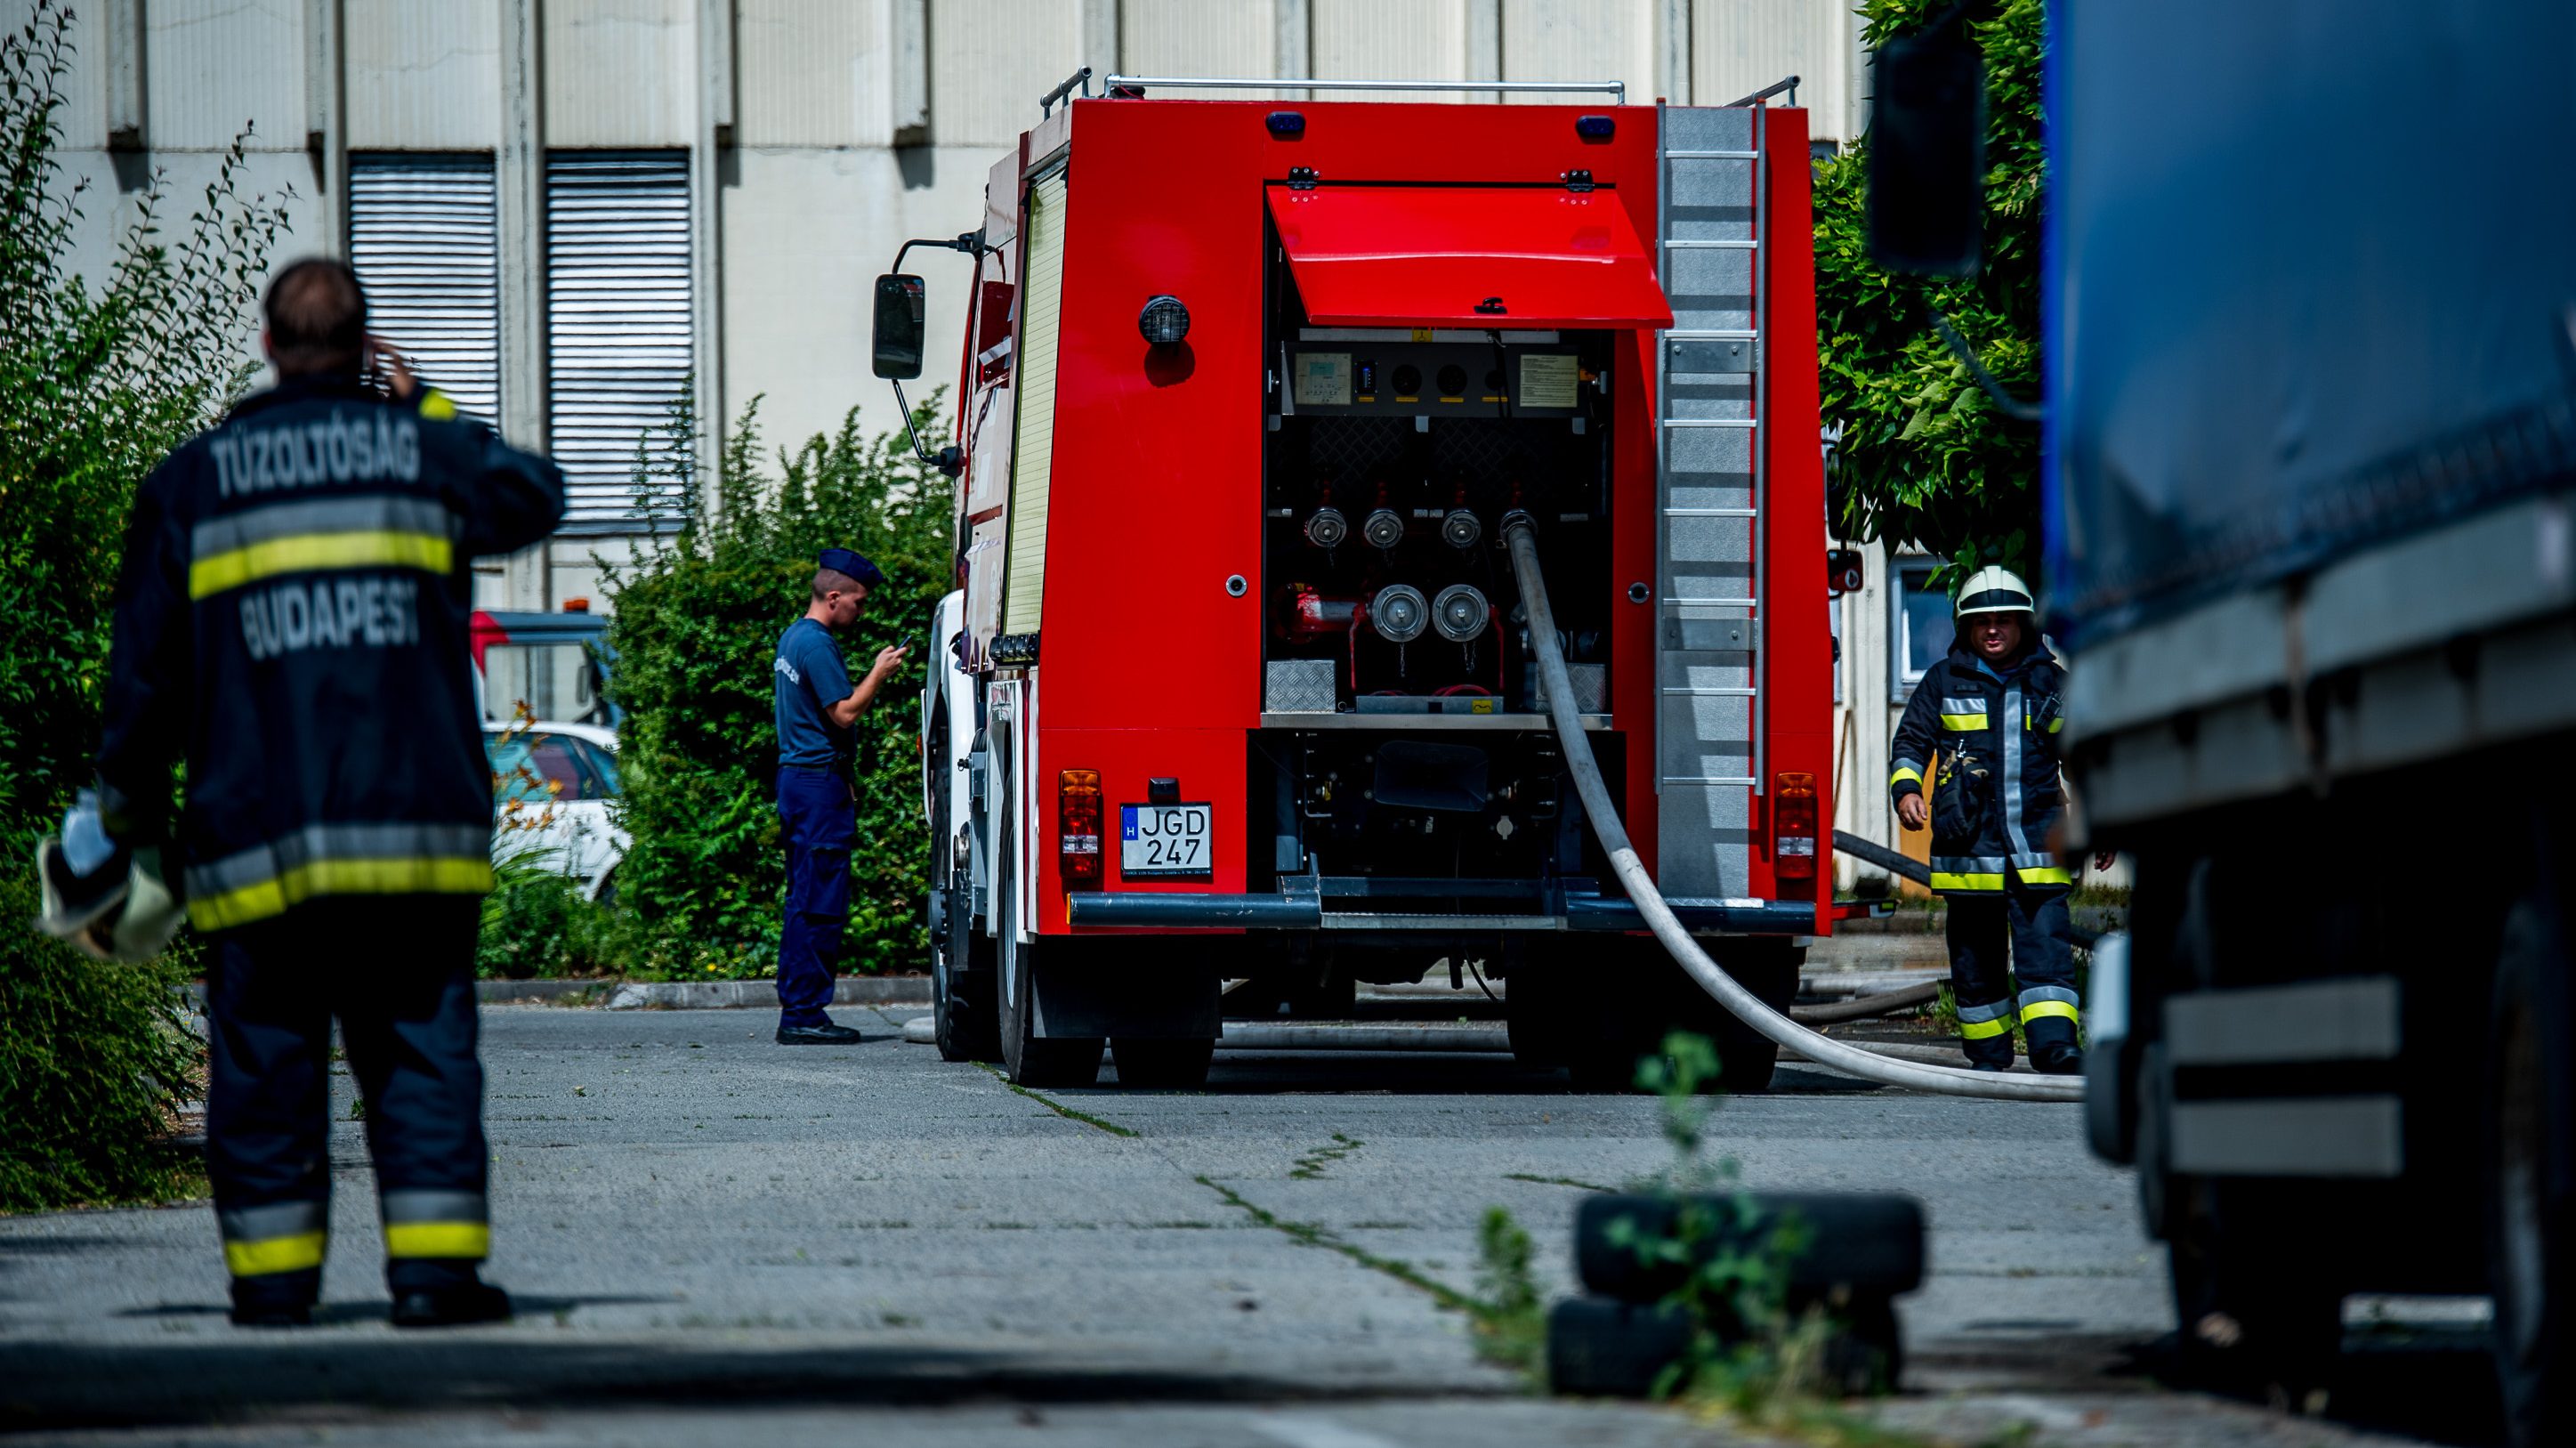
x=961, y=986
x=1168, y=1065
x=1028, y=1058
x=2249, y=1315
x=2531, y=1181
x=1769, y=969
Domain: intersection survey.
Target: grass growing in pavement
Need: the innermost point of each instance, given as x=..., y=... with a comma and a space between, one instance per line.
x=1312, y=1164
x=1058, y=1107
x=1556, y=1181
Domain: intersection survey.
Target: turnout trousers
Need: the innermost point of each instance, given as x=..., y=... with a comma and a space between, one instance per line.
x=818, y=815
x=398, y=972
x=2020, y=936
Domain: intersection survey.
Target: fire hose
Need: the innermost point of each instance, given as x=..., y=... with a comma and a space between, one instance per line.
x=1668, y=928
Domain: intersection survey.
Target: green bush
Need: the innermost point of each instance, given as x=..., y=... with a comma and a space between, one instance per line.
x=1925, y=457
x=696, y=627
x=98, y=385
x=536, y=923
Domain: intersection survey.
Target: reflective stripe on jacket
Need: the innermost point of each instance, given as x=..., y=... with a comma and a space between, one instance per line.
x=291, y=621
x=1985, y=744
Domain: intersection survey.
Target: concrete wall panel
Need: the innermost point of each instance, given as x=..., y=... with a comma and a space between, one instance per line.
x=805, y=234
x=990, y=60
x=1194, y=38
x=1740, y=46
x=213, y=66
x=423, y=77
x=1392, y=40
x=1564, y=40
x=813, y=73
x=619, y=72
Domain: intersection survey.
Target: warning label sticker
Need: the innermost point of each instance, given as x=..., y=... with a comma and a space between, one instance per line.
x=1547, y=379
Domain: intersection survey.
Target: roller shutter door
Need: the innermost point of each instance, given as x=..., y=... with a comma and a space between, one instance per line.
x=424, y=235
x=1033, y=435
x=619, y=341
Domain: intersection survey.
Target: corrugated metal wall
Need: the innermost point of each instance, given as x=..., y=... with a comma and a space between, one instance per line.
x=1391, y=40
x=1737, y=48
x=424, y=234
x=618, y=322
x=1552, y=40
x=1194, y=38
x=423, y=77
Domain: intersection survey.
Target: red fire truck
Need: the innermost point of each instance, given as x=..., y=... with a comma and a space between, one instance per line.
x=1237, y=686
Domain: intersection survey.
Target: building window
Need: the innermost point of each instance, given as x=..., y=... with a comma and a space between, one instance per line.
x=1922, y=627
x=425, y=240
x=620, y=344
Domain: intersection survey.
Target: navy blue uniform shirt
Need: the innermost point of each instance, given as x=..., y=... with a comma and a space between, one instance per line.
x=810, y=677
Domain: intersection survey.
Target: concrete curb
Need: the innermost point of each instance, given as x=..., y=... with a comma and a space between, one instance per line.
x=717, y=995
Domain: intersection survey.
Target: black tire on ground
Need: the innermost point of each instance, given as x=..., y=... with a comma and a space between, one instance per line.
x=2253, y=1311
x=1600, y=1347
x=1028, y=1058
x=2531, y=1181
x=1860, y=1244
x=1162, y=1064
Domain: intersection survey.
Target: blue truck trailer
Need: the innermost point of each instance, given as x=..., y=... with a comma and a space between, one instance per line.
x=2310, y=326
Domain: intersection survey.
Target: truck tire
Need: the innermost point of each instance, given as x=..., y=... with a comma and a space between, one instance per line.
x=1633, y=995
x=1028, y=1058
x=1768, y=968
x=1164, y=1064
x=2531, y=1181
x=961, y=1000
x=2252, y=1313
x=962, y=982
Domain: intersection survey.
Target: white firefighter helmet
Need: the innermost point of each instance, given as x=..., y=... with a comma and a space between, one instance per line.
x=1994, y=590
x=128, y=914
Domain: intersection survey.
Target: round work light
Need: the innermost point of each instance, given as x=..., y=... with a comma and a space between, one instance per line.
x=1164, y=321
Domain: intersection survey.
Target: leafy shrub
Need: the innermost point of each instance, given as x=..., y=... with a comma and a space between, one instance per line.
x=1925, y=457
x=99, y=386
x=697, y=623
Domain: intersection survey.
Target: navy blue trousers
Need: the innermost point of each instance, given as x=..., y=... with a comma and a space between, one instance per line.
x=818, y=814
x=399, y=974
x=2022, y=937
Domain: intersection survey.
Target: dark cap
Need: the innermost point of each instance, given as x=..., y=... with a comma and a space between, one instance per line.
x=842, y=560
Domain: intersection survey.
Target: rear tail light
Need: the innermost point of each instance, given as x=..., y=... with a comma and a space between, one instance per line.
x=1794, y=837
x=1077, y=825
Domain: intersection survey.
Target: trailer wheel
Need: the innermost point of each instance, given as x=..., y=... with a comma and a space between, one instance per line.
x=2531, y=1181
x=1159, y=1063
x=1031, y=1059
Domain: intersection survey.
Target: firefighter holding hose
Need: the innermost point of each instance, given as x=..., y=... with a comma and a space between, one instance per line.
x=1990, y=714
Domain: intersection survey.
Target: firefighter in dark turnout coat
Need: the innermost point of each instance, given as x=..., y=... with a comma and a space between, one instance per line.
x=1984, y=725
x=291, y=621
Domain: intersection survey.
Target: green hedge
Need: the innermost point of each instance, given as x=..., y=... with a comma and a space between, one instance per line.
x=96, y=386
x=696, y=626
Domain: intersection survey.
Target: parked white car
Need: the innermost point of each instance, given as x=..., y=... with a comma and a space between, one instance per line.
x=552, y=785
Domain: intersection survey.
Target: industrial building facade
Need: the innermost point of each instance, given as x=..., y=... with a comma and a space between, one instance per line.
x=574, y=212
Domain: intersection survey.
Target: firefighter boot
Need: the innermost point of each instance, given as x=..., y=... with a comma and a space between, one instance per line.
x=453, y=1305
x=1978, y=980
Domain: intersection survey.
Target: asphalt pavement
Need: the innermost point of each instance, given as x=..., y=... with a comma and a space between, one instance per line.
x=715, y=1238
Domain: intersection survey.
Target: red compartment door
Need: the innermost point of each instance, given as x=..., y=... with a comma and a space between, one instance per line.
x=1467, y=256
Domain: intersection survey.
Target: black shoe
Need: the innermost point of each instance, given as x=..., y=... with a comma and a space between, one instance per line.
x=826, y=1034
x=1988, y=1066
x=452, y=1306
x=2057, y=1058
x=272, y=1314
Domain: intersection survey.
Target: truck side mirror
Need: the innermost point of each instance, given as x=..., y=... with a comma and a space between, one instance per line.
x=899, y=326
x=1927, y=152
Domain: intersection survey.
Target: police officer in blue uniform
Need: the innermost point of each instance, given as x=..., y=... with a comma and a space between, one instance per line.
x=817, y=803
x=290, y=620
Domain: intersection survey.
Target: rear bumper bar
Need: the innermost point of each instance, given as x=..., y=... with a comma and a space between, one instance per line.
x=1089, y=909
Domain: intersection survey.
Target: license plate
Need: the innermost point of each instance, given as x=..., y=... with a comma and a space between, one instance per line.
x=1165, y=839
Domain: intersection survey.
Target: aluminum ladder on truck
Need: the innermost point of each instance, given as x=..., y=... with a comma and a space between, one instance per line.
x=1709, y=496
